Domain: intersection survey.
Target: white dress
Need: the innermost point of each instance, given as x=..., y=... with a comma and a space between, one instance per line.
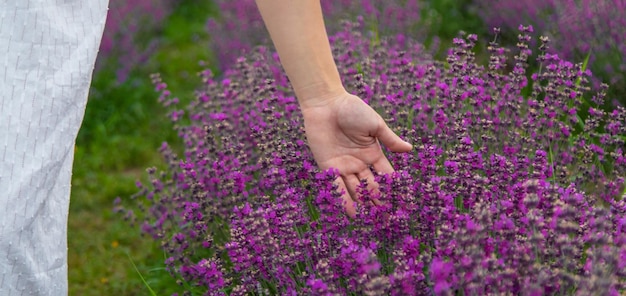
x=47, y=54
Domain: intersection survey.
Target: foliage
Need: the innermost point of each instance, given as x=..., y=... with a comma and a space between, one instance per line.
x=506, y=191
x=128, y=21
x=136, y=29
x=579, y=28
x=239, y=28
x=120, y=134
x=444, y=19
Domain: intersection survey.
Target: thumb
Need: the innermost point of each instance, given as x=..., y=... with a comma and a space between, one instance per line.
x=392, y=141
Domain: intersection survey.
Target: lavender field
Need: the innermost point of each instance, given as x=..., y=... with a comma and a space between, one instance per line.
x=515, y=184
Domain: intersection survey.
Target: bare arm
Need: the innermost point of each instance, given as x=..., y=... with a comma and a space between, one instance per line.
x=342, y=131
x=298, y=32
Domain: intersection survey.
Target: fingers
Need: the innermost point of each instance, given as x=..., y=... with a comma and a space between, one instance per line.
x=382, y=165
x=367, y=175
x=347, y=199
x=372, y=186
x=392, y=141
x=352, y=182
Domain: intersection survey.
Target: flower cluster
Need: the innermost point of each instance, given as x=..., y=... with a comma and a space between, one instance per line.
x=580, y=28
x=243, y=17
x=507, y=190
x=126, y=20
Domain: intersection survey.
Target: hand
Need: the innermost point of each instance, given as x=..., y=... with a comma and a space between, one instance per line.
x=343, y=132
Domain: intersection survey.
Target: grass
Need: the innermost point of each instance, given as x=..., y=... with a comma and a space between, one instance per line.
x=122, y=130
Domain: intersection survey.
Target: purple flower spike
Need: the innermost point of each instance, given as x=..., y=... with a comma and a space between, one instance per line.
x=508, y=190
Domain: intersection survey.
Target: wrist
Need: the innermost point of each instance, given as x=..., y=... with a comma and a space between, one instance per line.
x=319, y=94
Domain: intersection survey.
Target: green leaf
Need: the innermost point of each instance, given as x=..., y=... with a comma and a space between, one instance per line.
x=141, y=276
x=584, y=68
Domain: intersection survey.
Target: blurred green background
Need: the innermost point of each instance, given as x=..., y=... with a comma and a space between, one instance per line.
x=123, y=128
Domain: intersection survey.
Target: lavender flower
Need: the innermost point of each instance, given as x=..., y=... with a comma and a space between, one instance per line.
x=125, y=21
x=578, y=29
x=507, y=190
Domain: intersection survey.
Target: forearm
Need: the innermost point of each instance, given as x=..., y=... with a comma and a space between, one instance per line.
x=298, y=33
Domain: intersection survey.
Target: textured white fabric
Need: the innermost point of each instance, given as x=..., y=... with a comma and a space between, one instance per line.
x=47, y=53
